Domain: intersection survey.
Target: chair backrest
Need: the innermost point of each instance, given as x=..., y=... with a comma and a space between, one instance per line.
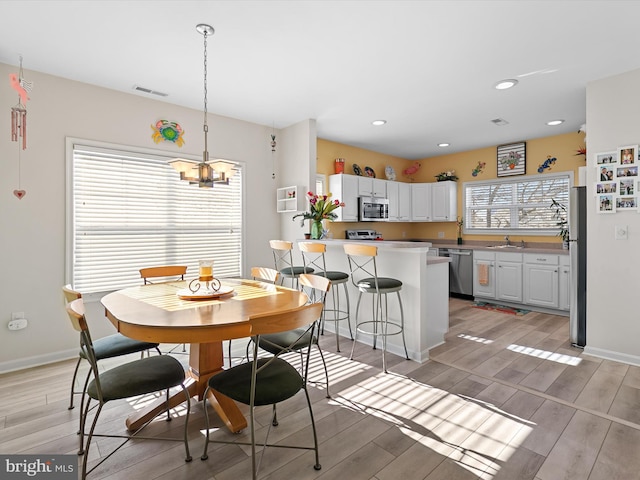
x=315, y=286
x=282, y=254
x=265, y=274
x=313, y=255
x=163, y=271
x=290, y=320
x=362, y=263
x=70, y=294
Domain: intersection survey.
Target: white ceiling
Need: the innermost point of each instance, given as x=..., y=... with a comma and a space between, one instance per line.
x=427, y=67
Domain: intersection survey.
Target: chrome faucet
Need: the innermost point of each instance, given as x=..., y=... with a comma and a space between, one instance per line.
x=521, y=243
x=506, y=239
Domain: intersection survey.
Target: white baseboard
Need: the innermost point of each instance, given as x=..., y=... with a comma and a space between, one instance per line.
x=610, y=355
x=38, y=360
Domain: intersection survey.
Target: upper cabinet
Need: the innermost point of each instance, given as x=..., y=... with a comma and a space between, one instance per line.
x=345, y=188
x=444, y=201
x=399, y=196
x=290, y=199
x=421, y=202
x=372, y=187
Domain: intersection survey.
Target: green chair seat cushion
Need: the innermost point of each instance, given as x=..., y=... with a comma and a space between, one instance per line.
x=277, y=382
x=276, y=342
x=384, y=284
x=334, y=276
x=147, y=375
x=295, y=271
x=117, y=345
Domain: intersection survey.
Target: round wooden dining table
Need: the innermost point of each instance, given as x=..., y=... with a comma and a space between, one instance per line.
x=160, y=313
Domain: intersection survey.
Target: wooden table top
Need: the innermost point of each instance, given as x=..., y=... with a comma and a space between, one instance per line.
x=156, y=313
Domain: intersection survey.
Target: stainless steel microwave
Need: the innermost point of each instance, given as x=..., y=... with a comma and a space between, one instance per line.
x=372, y=209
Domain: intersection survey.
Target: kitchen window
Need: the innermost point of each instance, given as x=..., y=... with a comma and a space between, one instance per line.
x=515, y=206
x=127, y=209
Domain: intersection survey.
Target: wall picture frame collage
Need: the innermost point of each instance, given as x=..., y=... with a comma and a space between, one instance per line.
x=617, y=180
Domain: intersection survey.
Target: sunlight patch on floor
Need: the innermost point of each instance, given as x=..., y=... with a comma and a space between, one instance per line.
x=475, y=339
x=546, y=355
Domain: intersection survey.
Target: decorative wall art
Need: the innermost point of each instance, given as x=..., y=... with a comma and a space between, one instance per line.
x=619, y=180
x=479, y=168
x=512, y=159
x=547, y=164
x=167, y=131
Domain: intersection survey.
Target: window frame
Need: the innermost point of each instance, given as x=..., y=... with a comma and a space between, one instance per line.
x=513, y=207
x=71, y=142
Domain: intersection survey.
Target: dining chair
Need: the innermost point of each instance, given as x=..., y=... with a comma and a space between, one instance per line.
x=283, y=262
x=164, y=272
x=268, y=381
x=364, y=276
x=313, y=256
x=140, y=377
x=261, y=274
x=111, y=346
x=316, y=288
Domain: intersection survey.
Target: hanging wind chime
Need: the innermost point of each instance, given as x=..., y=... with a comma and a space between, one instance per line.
x=273, y=151
x=19, y=118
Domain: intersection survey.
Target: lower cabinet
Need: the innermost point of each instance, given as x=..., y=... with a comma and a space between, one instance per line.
x=564, y=287
x=484, y=278
x=531, y=279
x=509, y=277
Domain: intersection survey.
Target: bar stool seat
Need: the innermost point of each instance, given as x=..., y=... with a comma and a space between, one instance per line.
x=313, y=256
x=364, y=276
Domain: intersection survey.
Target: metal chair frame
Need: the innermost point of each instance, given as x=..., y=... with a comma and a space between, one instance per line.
x=75, y=310
x=283, y=262
x=364, y=276
x=313, y=256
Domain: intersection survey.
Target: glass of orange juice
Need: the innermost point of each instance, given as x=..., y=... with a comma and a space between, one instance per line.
x=205, y=273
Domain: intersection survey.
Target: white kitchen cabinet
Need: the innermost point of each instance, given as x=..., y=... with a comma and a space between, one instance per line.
x=564, y=284
x=509, y=277
x=345, y=188
x=420, y=202
x=399, y=196
x=541, y=276
x=404, y=201
x=372, y=187
x=444, y=201
x=290, y=199
x=484, y=261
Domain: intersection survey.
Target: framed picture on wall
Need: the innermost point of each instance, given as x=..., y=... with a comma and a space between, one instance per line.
x=605, y=173
x=606, y=187
x=512, y=159
x=625, y=203
x=626, y=171
x=606, y=158
x=628, y=155
x=606, y=203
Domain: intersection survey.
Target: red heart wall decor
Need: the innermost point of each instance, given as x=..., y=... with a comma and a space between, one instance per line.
x=19, y=193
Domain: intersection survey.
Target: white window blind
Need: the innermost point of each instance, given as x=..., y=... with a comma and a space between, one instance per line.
x=515, y=205
x=130, y=210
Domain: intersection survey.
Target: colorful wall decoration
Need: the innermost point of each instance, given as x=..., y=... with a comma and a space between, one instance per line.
x=167, y=131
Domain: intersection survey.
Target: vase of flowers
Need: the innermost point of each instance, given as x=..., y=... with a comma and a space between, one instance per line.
x=448, y=176
x=321, y=207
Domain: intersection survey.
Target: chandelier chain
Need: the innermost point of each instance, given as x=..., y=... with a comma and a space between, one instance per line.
x=205, y=126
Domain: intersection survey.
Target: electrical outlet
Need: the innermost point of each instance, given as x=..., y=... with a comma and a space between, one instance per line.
x=440, y=234
x=621, y=232
x=404, y=234
x=17, y=324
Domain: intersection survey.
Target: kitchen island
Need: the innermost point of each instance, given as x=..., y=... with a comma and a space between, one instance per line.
x=425, y=293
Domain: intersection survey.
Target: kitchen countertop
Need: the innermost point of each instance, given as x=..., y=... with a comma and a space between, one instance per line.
x=530, y=247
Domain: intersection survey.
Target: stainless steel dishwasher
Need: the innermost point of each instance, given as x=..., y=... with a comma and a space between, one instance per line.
x=460, y=270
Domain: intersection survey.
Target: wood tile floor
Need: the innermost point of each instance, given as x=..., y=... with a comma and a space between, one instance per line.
x=506, y=397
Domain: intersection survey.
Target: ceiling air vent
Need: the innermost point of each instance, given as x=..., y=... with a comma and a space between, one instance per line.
x=138, y=88
x=499, y=121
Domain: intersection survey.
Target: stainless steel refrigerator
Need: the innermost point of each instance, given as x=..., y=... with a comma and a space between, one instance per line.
x=578, y=255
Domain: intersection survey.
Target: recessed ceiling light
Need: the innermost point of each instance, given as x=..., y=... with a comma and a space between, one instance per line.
x=443, y=144
x=504, y=84
x=553, y=123
x=379, y=122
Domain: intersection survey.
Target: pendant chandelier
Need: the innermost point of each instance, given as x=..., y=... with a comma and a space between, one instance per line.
x=207, y=172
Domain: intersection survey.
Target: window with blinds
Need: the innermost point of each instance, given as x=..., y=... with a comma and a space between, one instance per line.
x=519, y=206
x=130, y=210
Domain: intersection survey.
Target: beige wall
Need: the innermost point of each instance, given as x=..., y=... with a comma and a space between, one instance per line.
x=563, y=147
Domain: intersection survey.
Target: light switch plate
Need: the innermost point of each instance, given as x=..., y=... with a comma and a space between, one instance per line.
x=621, y=232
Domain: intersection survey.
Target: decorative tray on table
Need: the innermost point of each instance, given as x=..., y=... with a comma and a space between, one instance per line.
x=186, y=294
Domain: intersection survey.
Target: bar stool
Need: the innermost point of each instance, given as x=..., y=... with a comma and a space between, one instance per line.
x=283, y=261
x=313, y=257
x=364, y=275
